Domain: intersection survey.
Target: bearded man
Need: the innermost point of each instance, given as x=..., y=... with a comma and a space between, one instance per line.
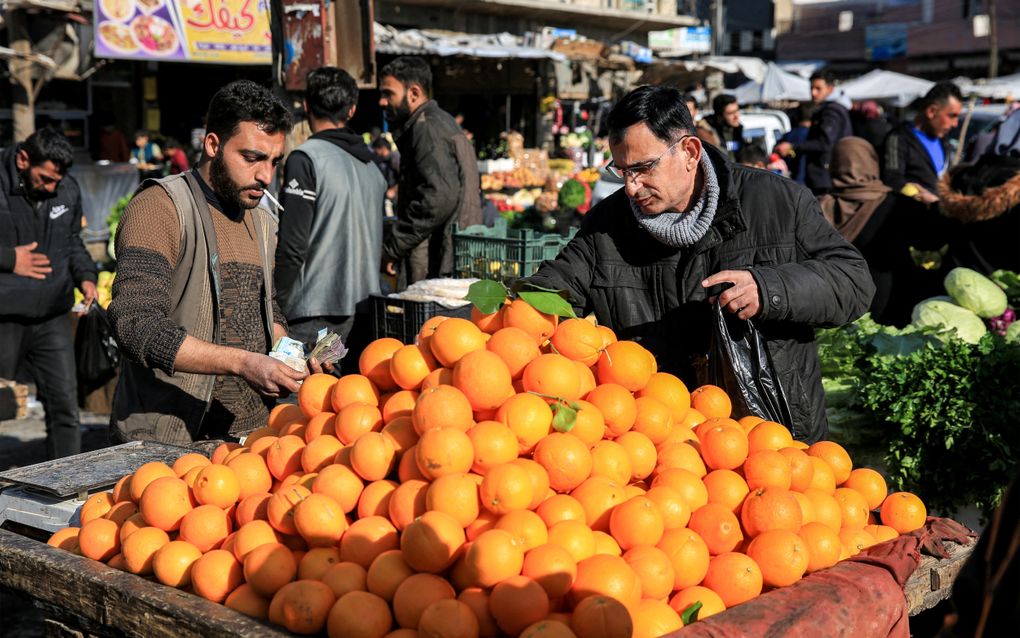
x=439, y=185
x=194, y=308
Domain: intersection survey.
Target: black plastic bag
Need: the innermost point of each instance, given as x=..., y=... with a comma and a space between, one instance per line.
x=95, y=351
x=739, y=362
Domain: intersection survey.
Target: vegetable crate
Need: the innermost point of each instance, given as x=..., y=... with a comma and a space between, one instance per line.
x=402, y=318
x=502, y=253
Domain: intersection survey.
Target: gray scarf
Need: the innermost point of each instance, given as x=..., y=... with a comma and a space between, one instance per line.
x=681, y=230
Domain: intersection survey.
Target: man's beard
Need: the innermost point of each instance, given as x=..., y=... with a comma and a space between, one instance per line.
x=398, y=114
x=229, y=192
x=35, y=194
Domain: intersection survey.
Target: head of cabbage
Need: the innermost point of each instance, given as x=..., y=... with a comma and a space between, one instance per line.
x=975, y=292
x=939, y=313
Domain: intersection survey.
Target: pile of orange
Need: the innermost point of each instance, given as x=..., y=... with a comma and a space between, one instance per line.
x=509, y=475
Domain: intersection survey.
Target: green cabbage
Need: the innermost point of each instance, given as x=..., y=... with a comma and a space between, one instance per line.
x=975, y=292
x=935, y=312
x=1013, y=332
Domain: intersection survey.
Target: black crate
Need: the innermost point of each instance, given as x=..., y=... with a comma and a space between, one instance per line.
x=502, y=253
x=403, y=318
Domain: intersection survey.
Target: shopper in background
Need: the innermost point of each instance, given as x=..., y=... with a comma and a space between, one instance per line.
x=439, y=184
x=869, y=122
x=42, y=259
x=177, y=159
x=388, y=162
x=147, y=155
x=725, y=122
x=704, y=129
x=112, y=145
x=798, y=135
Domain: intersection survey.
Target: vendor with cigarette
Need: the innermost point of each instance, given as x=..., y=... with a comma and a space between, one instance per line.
x=194, y=308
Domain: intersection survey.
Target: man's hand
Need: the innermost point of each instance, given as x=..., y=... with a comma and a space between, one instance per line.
x=784, y=149
x=314, y=367
x=925, y=196
x=389, y=267
x=270, y=377
x=88, y=289
x=742, y=298
x=31, y=264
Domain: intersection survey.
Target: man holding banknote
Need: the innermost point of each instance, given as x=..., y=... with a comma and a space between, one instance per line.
x=194, y=307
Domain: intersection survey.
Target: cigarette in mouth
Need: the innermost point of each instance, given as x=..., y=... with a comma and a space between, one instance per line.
x=275, y=201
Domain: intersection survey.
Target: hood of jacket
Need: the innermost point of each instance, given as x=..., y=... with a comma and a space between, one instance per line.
x=840, y=97
x=349, y=141
x=988, y=189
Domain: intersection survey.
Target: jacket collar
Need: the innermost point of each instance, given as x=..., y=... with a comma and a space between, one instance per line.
x=11, y=174
x=414, y=118
x=729, y=218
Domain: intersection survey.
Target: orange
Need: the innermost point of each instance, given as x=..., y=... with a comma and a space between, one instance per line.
x=130, y=526
x=718, y=527
x=146, y=474
x=399, y=404
x=316, y=394
x=356, y=419
x=376, y=361
x=689, y=555
x=692, y=419
x=251, y=535
x=484, y=379
x=853, y=507
x=438, y=377
x=415, y=594
x=401, y=433
x=723, y=448
x=749, y=422
x=553, y=376
x=822, y=544
x=881, y=533
x=432, y=542
x=552, y=567
x=655, y=618
x=726, y=488
x=589, y=426
x=165, y=502
x=353, y=388
x=770, y=508
x=807, y=508
x=835, y=456
x=244, y=600
x=221, y=452
x=280, y=508
x=344, y=577
x=617, y=405
x=284, y=414
x=217, y=485
x=407, y=502
x=374, y=499
x=822, y=478
x=172, y=563
x=515, y=347
x=315, y=563
x=654, y=568
x=653, y=418
x=269, y=567
x=122, y=489
x=410, y=365
x=626, y=363
x=249, y=439
x=518, y=602
x=122, y=511
x=492, y=557
x=505, y=488
x=768, y=435
x=359, y=614
x=869, y=484
x=341, y=484
x=735, y=577
x=427, y=330
x=442, y=406
x=205, y=527
x=687, y=483
x=455, y=494
x=66, y=539
x=319, y=520
x=802, y=469
x=825, y=509
x=487, y=323
x=319, y=425
x=260, y=447
x=670, y=391
x=477, y=599
x=636, y=522
x=578, y=340
x=529, y=417
x=586, y=378
x=767, y=468
x=711, y=603
x=598, y=496
x=565, y=458
x=641, y=453
x=284, y=457
x=538, y=325
x=904, y=512
x=671, y=504
x=216, y=574
x=711, y=401
x=253, y=476
x=601, y=617
x=683, y=455
x=372, y=456
x=604, y=575
x=386, y=572
x=781, y=555
x=493, y=443
x=139, y=548
x=606, y=544
x=453, y=339
x=318, y=454
x=855, y=540
x=575, y=537
x=560, y=507
x=549, y=628
x=302, y=607
x=444, y=450
x=96, y=506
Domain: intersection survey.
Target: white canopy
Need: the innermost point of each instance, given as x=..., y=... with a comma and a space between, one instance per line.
x=1006, y=87
x=896, y=88
x=776, y=85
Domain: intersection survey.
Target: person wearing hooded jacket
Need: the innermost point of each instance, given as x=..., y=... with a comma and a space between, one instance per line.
x=830, y=123
x=649, y=259
x=330, y=238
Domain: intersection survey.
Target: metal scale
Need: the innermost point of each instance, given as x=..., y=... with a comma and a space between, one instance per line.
x=48, y=495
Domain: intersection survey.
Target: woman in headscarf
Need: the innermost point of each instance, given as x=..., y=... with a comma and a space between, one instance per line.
x=900, y=237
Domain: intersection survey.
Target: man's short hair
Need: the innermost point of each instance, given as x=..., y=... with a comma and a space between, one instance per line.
x=330, y=93
x=825, y=76
x=381, y=142
x=752, y=154
x=246, y=101
x=410, y=70
x=49, y=145
x=661, y=108
x=940, y=94
x=688, y=98
x=720, y=102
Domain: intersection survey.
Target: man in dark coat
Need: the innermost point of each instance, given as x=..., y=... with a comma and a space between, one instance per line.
x=916, y=152
x=687, y=221
x=42, y=259
x=725, y=124
x=439, y=183
x=830, y=123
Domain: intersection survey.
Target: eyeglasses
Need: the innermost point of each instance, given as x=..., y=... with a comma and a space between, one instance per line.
x=641, y=170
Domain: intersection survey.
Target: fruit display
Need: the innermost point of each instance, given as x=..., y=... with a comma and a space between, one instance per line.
x=510, y=475
x=104, y=289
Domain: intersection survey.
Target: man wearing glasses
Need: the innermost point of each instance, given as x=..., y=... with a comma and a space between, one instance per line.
x=651, y=259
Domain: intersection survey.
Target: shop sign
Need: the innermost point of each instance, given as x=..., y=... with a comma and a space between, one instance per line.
x=222, y=31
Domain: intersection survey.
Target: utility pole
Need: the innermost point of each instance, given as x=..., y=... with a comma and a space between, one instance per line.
x=718, y=28
x=993, y=42
x=22, y=93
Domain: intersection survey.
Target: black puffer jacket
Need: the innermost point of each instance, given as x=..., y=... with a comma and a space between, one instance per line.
x=808, y=276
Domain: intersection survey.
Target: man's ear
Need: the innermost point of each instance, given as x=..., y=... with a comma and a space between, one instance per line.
x=21, y=160
x=211, y=144
x=350, y=113
x=692, y=146
x=416, y=93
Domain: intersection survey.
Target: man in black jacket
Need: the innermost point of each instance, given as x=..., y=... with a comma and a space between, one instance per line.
x=42, y=259
x=917, y=152
x=830, y=123
x=688, y=220
x=725, y=123
x=439, y=184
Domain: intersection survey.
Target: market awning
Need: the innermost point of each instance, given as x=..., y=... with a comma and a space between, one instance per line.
x=897, y=88
x=777, y=85
x=1005, y=87
x=446, y=43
